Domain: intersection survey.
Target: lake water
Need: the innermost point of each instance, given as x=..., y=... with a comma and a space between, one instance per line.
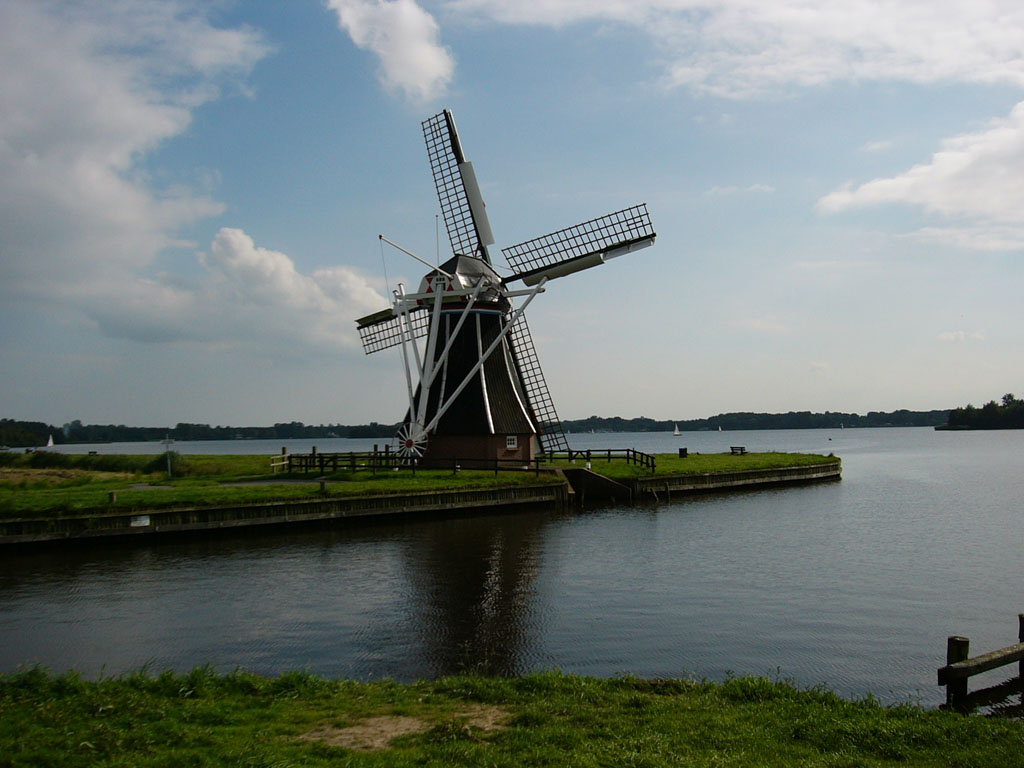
x=854, y=585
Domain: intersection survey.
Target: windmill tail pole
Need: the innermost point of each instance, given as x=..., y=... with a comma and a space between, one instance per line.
x=410, y=253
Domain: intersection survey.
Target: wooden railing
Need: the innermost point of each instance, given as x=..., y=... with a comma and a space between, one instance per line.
x=629, y=455
x=372, y=461
x=959, y=668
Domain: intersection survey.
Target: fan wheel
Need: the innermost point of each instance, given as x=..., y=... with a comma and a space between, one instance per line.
x=412, y=440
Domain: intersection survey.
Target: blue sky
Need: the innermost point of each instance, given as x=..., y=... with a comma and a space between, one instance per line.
x=193, y=192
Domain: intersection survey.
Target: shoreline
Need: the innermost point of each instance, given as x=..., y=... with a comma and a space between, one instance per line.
x=578, y=487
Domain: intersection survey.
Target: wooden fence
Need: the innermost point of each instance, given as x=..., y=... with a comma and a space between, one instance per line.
x=372, y=461
x=375, y=460
x=629, y=455
x=960, y=667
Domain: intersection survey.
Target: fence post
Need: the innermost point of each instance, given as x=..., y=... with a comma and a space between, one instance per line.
x=957, y=649
x=1020, y=637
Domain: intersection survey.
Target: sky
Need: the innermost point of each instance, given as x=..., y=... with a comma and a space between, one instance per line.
x=192, y=194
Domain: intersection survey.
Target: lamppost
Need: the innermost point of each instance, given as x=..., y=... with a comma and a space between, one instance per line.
x=167, y=442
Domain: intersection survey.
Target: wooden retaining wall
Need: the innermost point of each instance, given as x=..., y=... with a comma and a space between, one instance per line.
x=136, y=522
x=662, y=488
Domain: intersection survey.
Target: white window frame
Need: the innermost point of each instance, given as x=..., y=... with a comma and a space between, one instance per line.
x=511, y=442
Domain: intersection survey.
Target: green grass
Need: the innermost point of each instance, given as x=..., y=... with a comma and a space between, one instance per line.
x=188, y=466
x=73, y=490
x=204, y=719
x=64, y=485
x=701, y=463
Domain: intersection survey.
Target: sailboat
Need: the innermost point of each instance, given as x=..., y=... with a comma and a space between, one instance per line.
x=676, y=431
x=49, y=443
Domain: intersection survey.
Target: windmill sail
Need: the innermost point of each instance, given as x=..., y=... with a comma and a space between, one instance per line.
x=582, y=246
x=550, y=431
x=384, y=329
x=462, y=205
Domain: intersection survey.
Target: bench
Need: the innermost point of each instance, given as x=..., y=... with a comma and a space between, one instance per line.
x=738, y=450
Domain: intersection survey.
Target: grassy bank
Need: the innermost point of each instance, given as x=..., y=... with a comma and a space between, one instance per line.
x=203, y=719
x=45, y=483
x=72, y=491
x=703, y=463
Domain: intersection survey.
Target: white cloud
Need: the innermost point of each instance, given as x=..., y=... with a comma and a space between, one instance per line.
x=86, y=90
x=251, y=296
x=405, y=38
x=979, y=176
x=738, y=48
x=268, y=297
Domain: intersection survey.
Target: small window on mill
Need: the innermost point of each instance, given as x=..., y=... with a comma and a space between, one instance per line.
x=511, y=442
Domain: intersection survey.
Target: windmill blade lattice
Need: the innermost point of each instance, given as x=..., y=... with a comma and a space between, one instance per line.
x=385, y=329
x=605, y=235
x=447, y=163
x=551, y=434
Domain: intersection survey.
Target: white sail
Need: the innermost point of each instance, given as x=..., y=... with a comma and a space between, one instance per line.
x=676, y=432
x=49, y=443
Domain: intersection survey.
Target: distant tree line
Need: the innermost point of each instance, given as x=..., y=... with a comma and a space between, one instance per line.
x=27, y=433
x=745, y=420
x=35, y=433
x=1006, y=415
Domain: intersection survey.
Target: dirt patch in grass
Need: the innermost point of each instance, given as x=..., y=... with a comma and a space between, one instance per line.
x=378, y=732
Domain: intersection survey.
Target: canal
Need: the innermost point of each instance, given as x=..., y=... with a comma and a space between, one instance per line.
x=853, y=585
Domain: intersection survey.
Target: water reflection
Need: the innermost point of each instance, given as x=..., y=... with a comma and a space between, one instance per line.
x=405, y=599
x=472, y=582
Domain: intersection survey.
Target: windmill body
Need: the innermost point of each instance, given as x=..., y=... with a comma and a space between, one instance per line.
x=475, y=388
x=490, y=418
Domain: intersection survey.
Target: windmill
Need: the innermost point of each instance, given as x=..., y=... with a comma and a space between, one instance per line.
x=475, y=388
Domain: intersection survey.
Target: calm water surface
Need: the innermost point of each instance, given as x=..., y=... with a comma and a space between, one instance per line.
x=854, y=585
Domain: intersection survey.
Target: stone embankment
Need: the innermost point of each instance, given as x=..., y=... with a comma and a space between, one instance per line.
x=662, y=488
x=580, y=487
x=140, y=522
